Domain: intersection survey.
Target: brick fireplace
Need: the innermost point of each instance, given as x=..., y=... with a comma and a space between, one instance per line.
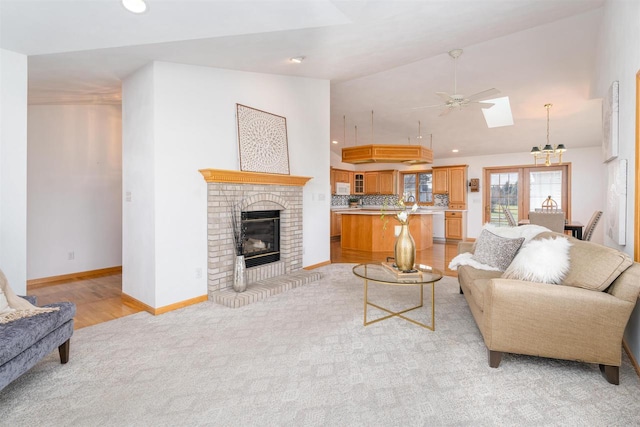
x=252, y=192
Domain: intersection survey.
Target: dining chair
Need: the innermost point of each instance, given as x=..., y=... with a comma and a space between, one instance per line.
x=509, y=216
x=549, y=205
x=554, y=221
x=591, y=225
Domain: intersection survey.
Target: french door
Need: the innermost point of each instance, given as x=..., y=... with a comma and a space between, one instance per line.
x=523, y=189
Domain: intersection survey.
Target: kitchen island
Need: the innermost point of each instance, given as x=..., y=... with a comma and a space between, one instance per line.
x=365, y=230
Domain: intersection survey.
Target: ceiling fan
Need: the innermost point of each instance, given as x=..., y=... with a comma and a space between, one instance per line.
x=458, y=100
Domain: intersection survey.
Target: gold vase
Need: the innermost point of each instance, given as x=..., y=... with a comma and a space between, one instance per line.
x=405, y=250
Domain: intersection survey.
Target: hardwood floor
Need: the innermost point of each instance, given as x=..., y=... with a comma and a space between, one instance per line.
x=98, y=299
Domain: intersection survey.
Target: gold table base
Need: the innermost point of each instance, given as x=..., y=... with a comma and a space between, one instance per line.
x=431, y=327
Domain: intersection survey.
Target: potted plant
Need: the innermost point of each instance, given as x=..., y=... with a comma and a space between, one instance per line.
x=353, y=202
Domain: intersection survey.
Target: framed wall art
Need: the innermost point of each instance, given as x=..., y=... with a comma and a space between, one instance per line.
x=616, y=213
x=610, y=123
x=262, y=140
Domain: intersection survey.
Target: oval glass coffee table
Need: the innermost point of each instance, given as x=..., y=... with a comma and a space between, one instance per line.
x=386, y=274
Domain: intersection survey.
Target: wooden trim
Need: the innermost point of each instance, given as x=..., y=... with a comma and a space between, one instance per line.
x=314, y=266
x=132, y=302
x=633, y=360
x=242, y=177
x=53, y=280
x=636, y=239
x=382, y=153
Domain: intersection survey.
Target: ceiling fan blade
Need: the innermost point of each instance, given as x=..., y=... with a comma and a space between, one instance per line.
x=426, y=106
x=444, y=96
x=484, y=94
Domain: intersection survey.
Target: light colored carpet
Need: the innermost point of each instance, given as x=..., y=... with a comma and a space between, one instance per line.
x=304, y=358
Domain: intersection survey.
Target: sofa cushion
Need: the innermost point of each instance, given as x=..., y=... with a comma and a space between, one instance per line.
x=496, y=251
x=18, y=335
x=475, y=281
x=542, y=261
x=594, y=266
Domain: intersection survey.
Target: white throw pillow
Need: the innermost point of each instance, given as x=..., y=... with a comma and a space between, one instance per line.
x=542, y=261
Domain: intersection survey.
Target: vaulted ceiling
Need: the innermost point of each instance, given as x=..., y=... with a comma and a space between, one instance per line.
x=382, y=56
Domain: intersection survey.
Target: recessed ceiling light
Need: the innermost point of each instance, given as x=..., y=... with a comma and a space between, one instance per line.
x=334, y=142
x=297, y=59
x=455, y=150
x=135, y=6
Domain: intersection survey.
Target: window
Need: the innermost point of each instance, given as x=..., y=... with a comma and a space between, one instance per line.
x=523, y=189
x=418, y=186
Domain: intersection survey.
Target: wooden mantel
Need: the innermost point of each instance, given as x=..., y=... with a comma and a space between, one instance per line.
x=241, y=177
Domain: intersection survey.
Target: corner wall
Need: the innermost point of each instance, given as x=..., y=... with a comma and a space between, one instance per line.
x=194, y=127
x=13, y=169
x=618, y=58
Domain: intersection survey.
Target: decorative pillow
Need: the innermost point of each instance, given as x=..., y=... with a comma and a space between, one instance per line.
x=595, y=266
x=542, y=261
x=496, y=251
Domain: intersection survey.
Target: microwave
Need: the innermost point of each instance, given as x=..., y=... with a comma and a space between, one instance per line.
x=343, y=188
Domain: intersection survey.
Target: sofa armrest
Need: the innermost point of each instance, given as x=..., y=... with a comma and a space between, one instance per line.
x=554, y=321
x=465, y=247
x=31, y=298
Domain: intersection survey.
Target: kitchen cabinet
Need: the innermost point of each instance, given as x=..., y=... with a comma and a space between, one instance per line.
x=380, y=182
x=458, y=187
x=358, y=183
x=336, y=224
x=387, y=182
x=440, y=180
x=371, y=183
x=451, y=180
x=339, y=175
x=454, y=225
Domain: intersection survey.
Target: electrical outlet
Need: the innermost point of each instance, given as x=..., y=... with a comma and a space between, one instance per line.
x=71, y=256
x=128, y=196
x=198, y=273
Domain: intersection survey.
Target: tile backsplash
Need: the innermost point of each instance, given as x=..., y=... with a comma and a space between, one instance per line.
x=441, y=200
x=367, y=200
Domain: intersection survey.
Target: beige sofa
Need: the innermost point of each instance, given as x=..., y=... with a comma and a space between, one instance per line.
x=583, y=319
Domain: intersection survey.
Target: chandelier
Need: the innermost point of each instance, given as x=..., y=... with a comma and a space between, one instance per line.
x=548, y=153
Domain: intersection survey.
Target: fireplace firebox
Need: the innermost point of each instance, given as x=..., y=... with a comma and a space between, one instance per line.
x=260, y=237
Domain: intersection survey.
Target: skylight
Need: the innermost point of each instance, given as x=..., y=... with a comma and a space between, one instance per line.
x=500, y=114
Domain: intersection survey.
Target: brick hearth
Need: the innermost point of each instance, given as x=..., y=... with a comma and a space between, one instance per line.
x=253, y=192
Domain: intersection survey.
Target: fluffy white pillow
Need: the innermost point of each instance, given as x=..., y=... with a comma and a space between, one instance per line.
x=542, y=261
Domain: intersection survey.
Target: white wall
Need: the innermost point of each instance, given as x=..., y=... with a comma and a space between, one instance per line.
x=619, y=59
x=138, y=186
x=194, y=127
x=13, y=169
x=74, y=189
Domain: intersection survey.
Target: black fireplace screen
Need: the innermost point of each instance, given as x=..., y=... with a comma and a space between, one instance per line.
x=260, y=237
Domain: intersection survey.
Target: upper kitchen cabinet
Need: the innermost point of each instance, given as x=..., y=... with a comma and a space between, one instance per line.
x=343, y=176
x=440, y=180
x=452, y=180
x=380, y=182
x=371, y=183
x=458, y=187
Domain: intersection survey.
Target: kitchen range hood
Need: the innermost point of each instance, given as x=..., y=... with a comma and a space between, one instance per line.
x=380, y=153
